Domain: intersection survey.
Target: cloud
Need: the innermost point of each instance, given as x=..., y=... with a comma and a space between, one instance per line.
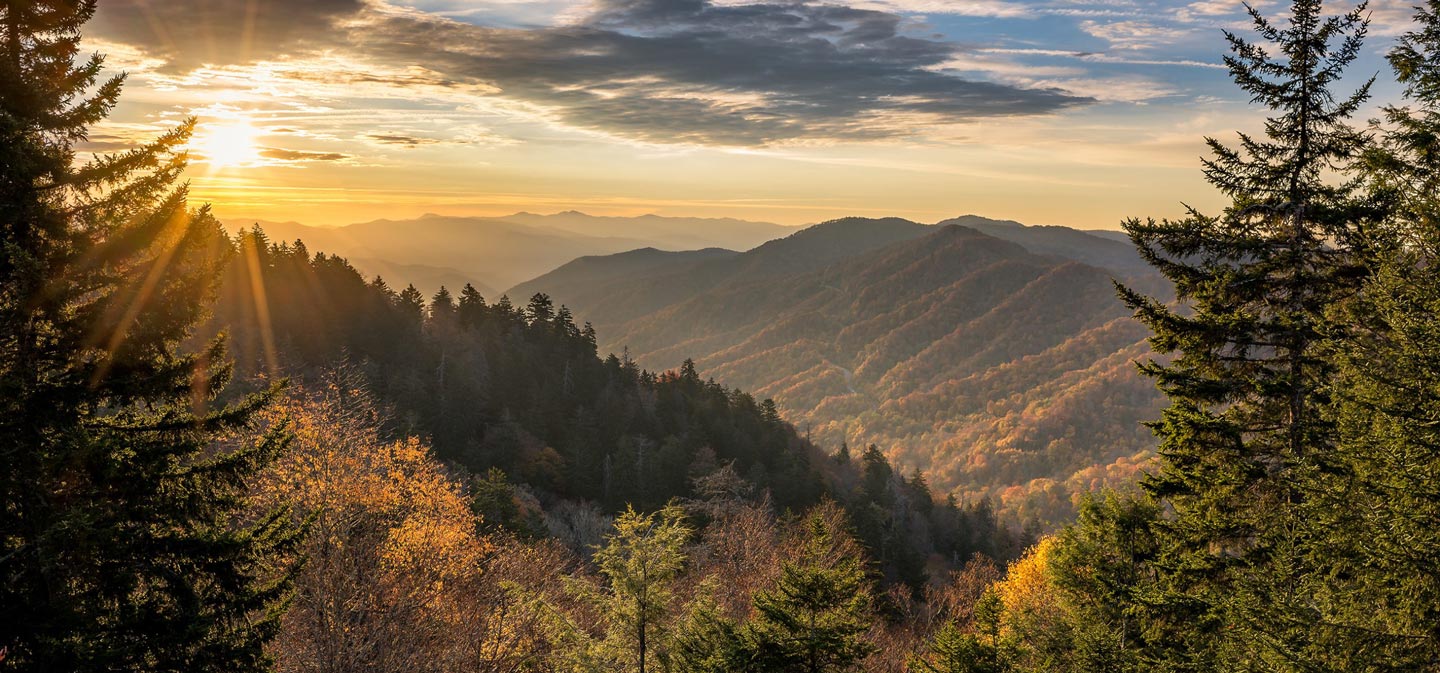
x=1132, y=34
x=298, y=155
x=658, y=71
x=691, y=71
x=400, y=139
x=1392, y=17
x=196, y=32
x=998, y=9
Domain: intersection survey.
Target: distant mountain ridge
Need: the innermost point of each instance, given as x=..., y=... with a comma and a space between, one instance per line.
x=1107, y=249
x=497, y=252
x=994, y=356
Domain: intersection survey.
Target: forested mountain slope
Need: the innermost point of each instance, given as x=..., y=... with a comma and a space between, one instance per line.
x=1001, y=369
x=558, y=436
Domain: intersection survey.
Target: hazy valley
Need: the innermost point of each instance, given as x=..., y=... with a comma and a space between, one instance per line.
x=497, y=252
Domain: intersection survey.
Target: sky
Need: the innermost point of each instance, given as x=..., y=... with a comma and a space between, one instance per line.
x=1073, y=112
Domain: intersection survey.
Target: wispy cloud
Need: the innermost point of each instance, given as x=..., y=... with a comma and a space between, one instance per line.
x=1132, y=35
x=281, y=154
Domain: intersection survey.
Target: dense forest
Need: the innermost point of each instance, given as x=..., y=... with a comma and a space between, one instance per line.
x=233, y=454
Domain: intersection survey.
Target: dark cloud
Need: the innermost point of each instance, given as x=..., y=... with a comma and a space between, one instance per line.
x=691, y=71
x=398, y=139
x=107, y=143
x=194, y=32
x=668, y=71
x=298, y=155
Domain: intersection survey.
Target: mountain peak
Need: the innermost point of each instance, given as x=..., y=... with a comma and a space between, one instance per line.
x=973, y=220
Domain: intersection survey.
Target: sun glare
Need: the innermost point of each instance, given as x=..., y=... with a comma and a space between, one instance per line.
x=226, y=145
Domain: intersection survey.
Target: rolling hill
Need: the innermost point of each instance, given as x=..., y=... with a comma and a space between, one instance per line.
x=993, y=356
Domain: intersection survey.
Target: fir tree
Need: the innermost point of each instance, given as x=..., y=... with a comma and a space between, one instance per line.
x=815, y=616
x=1382, y=591
x=953, y=650
x=1244, y=433
x=640, y=561
x=707, y=641
x=119, y=546
x=442, y=306
x=1382, y=588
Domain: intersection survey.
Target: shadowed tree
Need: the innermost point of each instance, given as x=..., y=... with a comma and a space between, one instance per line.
x=640, y=562
x=119, y=545
x=1244, y=434
x=813, y=619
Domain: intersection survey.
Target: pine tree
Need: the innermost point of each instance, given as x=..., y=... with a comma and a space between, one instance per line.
x=815, y=616
x=706, y=641
x=119, y=546
x=1244, y=433
x=1383, y=588
x=442, y=306
x=640, y=561
x=953, y=650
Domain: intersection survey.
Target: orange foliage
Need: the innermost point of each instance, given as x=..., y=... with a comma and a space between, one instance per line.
x=393, y=557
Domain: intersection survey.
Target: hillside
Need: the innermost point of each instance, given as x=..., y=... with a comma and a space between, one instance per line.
x=630, y=293
x=497, y=252
x=1001, y=367
x=1108, y=249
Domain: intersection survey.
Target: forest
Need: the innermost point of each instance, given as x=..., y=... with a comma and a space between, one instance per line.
x=229, y=453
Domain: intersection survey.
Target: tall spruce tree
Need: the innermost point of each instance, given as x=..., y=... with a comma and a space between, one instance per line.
x=1382, y=591
x=1384, y=584
x=1244, y=434
x=815, y=616
x=118, y=548
x=641, y=561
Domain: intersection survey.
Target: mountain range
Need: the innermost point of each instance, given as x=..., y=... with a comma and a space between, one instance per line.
x=992, y=355
x=497, y=252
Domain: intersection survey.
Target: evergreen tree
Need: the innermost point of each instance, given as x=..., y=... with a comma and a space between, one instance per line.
x=1100, y=567
x=442, y=306
x=1383, y=584
x=1382, y=590
x=640, y=560
x=412, y=305
x=953, y=650
x=707, y=641
x=1244, y=433
x=472, y=306
x=119, y=545
x=815, y=616
x=1404, y=166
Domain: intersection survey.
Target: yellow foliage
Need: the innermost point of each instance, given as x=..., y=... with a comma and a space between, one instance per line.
x=396, y=490
x=393, y=555
x=1028, y=591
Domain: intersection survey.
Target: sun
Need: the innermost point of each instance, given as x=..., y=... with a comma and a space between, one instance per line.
x=226, y=145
